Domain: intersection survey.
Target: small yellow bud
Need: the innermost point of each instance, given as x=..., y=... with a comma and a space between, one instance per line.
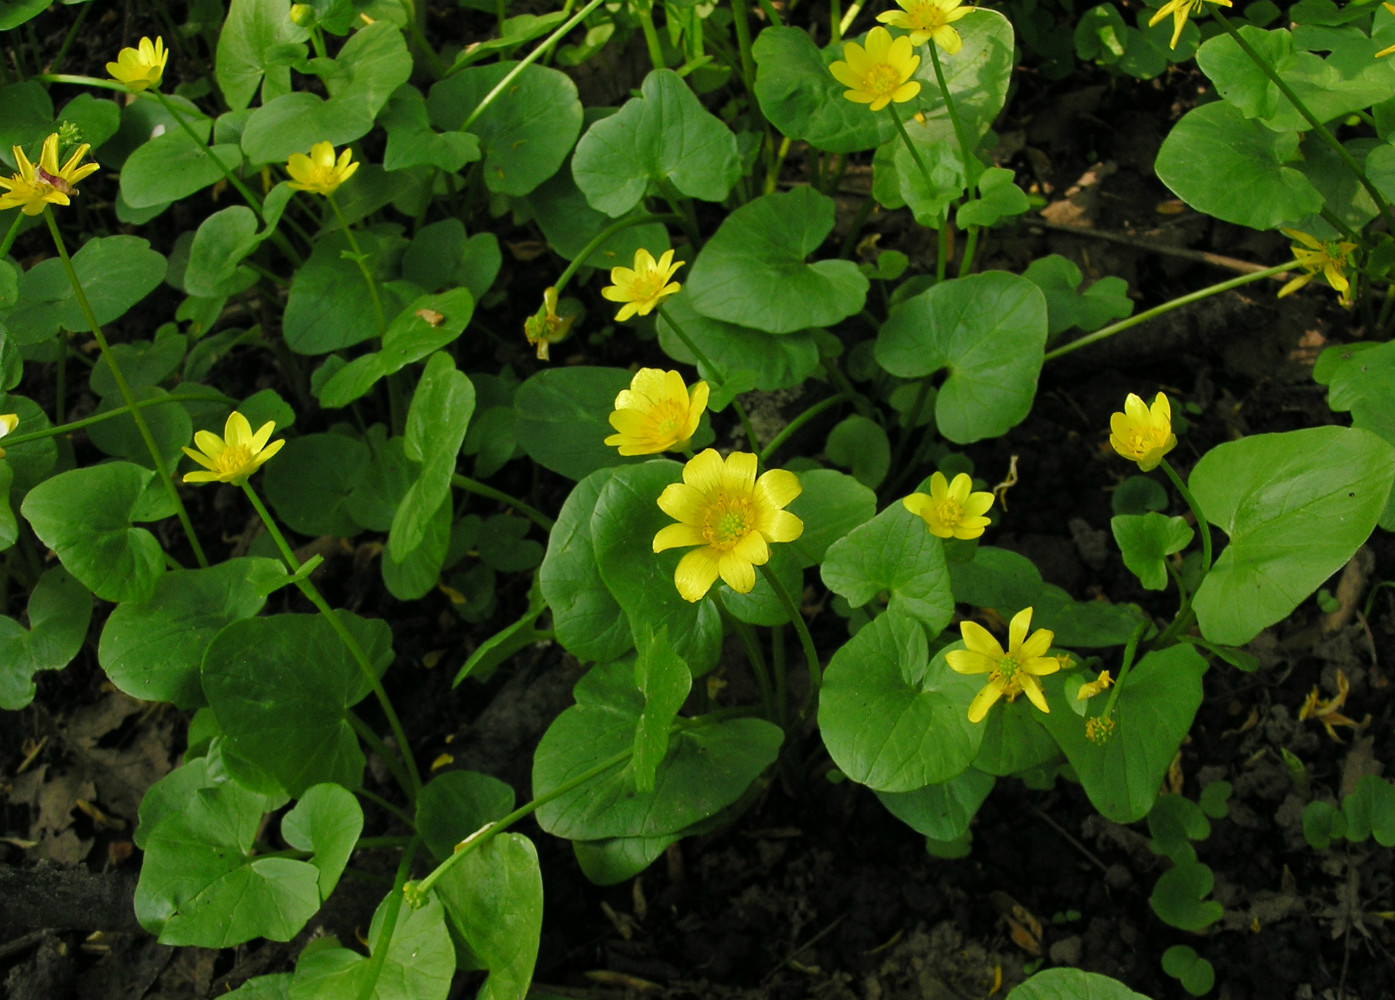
x=302, y=14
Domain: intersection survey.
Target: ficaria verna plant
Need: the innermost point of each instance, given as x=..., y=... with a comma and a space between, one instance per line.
x=447, y=286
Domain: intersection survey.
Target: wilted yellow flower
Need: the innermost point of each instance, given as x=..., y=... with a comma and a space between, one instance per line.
x=544, y=328
x=1180, y=11
x=140, y=67
x=233, y=457
x=880, y=73
x=1143, y=434
x=1009, y=673
x=732, y=515
x=657, y=412
x=1094, y=687
x=45, y=183
x=8, y=422
x=928, y=19
x=645, y=285
x=319, y=173
x=950, y=510
x=1328, y=258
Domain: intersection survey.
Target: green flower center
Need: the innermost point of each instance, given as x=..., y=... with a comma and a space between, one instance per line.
x=881, y=79
x=728, y=520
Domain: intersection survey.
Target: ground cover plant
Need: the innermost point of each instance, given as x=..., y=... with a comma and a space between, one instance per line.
x=462, y=457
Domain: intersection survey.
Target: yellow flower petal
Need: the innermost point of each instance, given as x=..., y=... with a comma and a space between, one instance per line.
x=235, y=456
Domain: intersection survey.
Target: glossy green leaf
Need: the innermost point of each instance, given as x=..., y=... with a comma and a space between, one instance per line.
x=170, y=428
x=115, y=272
x=802, y=99
x=860, y=444
x=87, y=516
x=830, y=504
x=152, y=649
x=494, y=899
x=561, y=418
x=280, y=688
x=570, y=223
x=619, y=859
x=893, y=554
x=892, y=717
x=59, y=611
x=664, y=680
x=1072, y=984
x=329, y=307
x=1370, y=811
x=1014, y=740
x=294, y=122
x=663, y=136
x=1358, y=377
x=1179, y=897
x=253, y=33
x=1146, y=540
x=1067, y=305
x=310, y=482
x=999, y=198
x=412, y=142
x=898, y=180
x=1156, y=705
x=201, y=882
x=989, y=331
x=419, y=570
x=13, y=13
x=709, y=764
x=525, y=133
x=419, y=964
x=1195, y=973
x=762, y=606
x=588, y=621
x=436, y=423
x=943, y=811
x=326, y=822
x=1175, y=821
x=1235, y=74
x=173, y=166
x=30, y=461
x=1226, y=165
x=752, y=271
x=623, y=525
x=455, y=804
x=429, y=323
x=222, y=242
x=1296, y=506
x=1091, y=624
x=996, y=578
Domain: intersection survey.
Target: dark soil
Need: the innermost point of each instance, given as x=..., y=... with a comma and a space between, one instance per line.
x=816, y=891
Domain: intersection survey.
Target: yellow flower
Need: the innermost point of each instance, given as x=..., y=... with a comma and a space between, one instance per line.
x=1094, y=687
x=928, y=19
x=732, y=515
x=951, y=511
x=1009, y=673
x=1385, y=52
x=657, y=412
x=1328, y=258
x=1143, y=434
x=8, y=422
x=319, y=173
x=141, y=67
x=544, y=328
x=880, y=73
x=233, y=457
x=643, y=287
x=45, y=183
x=1180, y=11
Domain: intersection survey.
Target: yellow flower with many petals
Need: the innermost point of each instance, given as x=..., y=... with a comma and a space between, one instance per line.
x=141, y=67
x=545, y=327
x=657, y=412
x=44, y=183
x=928, y=19
x=950, y=510
x=8, y=423
x=233, y=457
x=1009, y=673
x=1180, y=11
x=733, y=516
x=1329, y=258
x=880, y=73
x=1141, y=433
x=320, y=173
x=645, y=285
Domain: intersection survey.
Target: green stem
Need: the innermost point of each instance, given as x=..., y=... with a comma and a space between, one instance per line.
x=418, y=890
x=390, y=914
x=747, y=635
x=915, y=153
x=377, y=843
x=365, y=733
x=1130, y=650
x=922, y=396
x=839, y=378
x=1203, y=527
x=741, y=23
x=970, y=245
x=1342, y=154
x=713, y=371
x=10, y=235
x=1167, y=307
x=59, y=430
x=597, y=241
x=799, y=421
x=527, y=61
x=645, y=9
x=385, y=805
x=362, y=264
x=350, y=643
x=811, y=657
x=69, y=37
x=124, y=388
x=965, y=150
x=531, y=513
x=81, y=81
